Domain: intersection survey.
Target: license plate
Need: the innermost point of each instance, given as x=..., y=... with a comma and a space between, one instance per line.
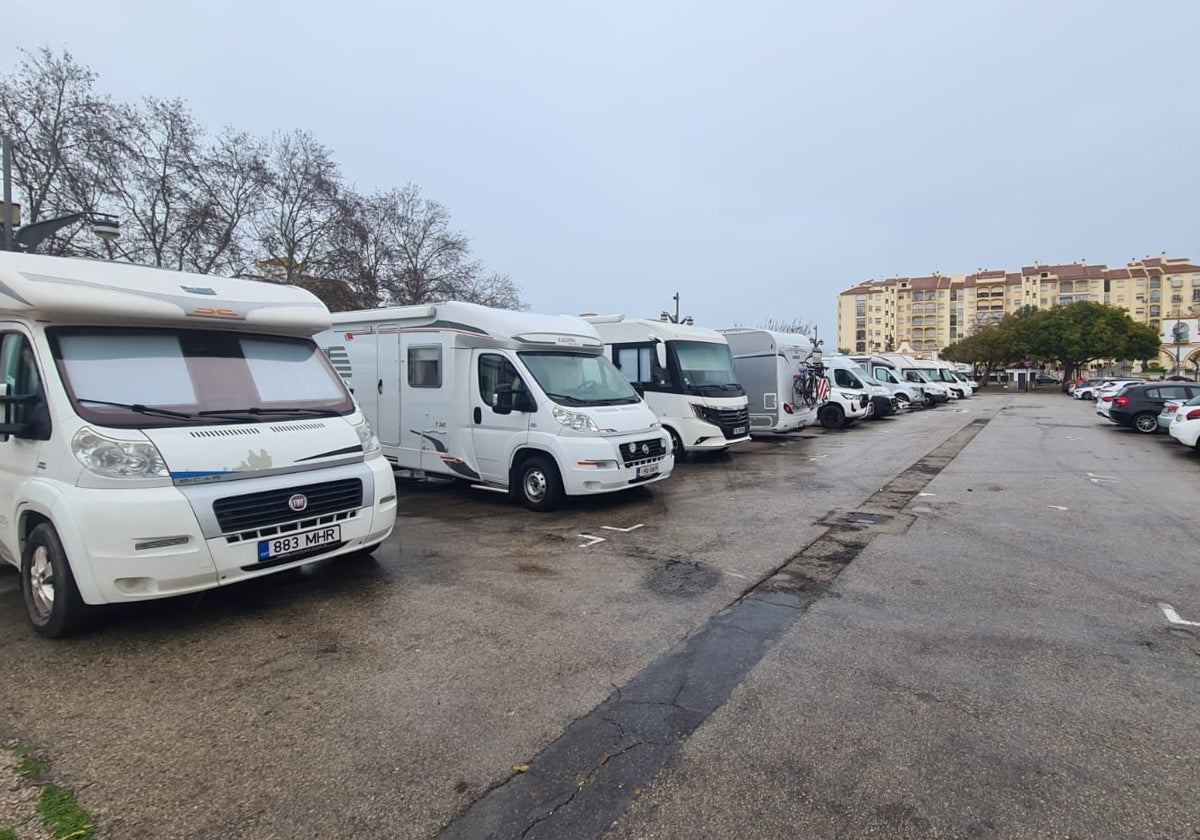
x=291, y=543
x=739, y=430
x=648, y=469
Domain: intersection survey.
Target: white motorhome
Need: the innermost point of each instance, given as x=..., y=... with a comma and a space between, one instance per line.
x=166, y=433
x=906, y=393
x=509, y=401
x=949, y=375
x=772, y=367
x=849, y=393
x=918, y=372
x=685, y=374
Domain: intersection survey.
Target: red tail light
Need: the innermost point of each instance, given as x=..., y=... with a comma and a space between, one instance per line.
x=1194, y=414
x=1106, y=399
x=1171, y=409
x=787, y=408
x=1120, y=402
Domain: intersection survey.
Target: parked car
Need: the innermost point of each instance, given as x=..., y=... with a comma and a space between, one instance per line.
x=1168, y=414
x=1185, y=427
x=1138, y=406
x=1044, y=379
x=1082, y=387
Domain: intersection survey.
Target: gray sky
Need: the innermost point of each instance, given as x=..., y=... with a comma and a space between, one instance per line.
x=756, y=157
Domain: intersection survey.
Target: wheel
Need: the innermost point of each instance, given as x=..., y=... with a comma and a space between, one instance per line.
x=540, y=485
x=677, y=445
x=930, y=402
x=1146, y=423
x=51, y=598
x=832, y=416
x=903, y=402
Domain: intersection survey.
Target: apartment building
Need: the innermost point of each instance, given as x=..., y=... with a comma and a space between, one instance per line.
x=928, y=313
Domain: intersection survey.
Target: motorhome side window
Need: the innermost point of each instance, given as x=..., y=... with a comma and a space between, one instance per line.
x=495, y=370
x=845, y=379
x=20, y=375
x=425, y=366
x=638, y=363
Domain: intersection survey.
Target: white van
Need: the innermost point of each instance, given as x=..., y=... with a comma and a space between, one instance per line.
x=685, y=374
x=772, y=367
x=166, y=433
x=906, y=393
x=849, y=393
x=919, y=372
x=509, y=401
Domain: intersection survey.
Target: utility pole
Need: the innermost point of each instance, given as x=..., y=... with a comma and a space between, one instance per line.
x=6, y=141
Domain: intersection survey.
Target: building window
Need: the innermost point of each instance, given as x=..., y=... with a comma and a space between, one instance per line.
x=1154, y=311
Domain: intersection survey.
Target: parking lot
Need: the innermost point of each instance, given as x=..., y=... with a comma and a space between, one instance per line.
x=947, y=623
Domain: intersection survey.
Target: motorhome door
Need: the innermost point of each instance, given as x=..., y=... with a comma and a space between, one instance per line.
x=496, y=434
x=425, y=396
x=387, y=384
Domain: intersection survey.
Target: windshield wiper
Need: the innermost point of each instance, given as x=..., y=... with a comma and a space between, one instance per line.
x=561, y=397
x=255, y=411
x=141, y=409
x=614, y=401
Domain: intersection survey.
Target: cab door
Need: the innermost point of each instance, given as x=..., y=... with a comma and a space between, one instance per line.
x=20, y=377
x=494, y=433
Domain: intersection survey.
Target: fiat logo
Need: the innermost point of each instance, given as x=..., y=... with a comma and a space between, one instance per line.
x=298, y=502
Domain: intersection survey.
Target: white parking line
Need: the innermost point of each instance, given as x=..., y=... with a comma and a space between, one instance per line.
x=1058, y=507
x=622, y=530
x=1174, y=618
x=594, y=540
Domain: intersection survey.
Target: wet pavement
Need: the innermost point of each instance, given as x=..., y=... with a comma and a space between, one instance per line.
x=937, y=665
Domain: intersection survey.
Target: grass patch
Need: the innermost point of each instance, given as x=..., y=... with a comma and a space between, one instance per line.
x=62, y=814
x=7, y=834
x=27, y=765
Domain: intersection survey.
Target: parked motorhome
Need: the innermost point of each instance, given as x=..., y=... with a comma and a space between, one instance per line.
x=917, y=371
x=167, y=433
x=510, y=401
x=849, y=393
x=685, y=374
x=948, y=374
x=772, y=367
x=885, y=373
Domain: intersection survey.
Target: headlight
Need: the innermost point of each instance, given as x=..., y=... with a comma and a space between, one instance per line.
x=574, y=421
x=849, y=395
x=366, y=436
x=117, y=458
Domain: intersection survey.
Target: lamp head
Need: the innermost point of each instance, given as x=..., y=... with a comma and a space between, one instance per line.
x=106, y=227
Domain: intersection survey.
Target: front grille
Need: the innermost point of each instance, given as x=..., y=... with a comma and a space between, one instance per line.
x=729, y=419
x=643, y=452
x=259, y=510
x=863, y=400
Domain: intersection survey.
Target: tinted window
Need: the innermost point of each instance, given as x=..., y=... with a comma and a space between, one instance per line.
x=496, y=370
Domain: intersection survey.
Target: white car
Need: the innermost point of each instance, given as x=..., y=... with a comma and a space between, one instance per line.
x=1105, y=394
x=1092, y=391
x=1185, y=428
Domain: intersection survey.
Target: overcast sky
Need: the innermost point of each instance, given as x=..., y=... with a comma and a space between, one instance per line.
x=756, y=157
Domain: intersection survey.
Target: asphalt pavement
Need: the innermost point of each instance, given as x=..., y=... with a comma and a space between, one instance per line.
x=973, y=647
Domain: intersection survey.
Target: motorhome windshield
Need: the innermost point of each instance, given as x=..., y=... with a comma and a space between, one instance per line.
x=159, y=377
x=573, y=379
x=706, y=367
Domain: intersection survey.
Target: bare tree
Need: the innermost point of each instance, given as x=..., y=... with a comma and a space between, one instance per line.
x=61, y=131
x=792, y=326
x=302, y=208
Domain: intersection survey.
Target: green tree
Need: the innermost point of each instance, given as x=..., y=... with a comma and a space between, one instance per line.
x=1084, y=332
x=990, y=347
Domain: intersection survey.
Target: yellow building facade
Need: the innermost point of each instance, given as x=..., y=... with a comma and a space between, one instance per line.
x=928, y=313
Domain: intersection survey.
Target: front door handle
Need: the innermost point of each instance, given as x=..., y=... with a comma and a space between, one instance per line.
x=478, y=415
x=379, y=386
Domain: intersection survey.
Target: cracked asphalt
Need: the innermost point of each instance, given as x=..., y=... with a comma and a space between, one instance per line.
x=794, y=642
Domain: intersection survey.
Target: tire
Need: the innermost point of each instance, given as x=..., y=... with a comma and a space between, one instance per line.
x=930, y=402
x=832, y=416
x=677, y=445
x=1146, y=423
x=903, y=402
x=52, y=599
x=539, y=484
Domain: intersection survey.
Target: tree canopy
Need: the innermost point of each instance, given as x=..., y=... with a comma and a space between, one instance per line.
x=225, y=203
x=1070, y=336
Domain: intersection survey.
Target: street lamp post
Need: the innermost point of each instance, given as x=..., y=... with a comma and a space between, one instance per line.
x=674, y=319
x=28, y=237
x=1178, y=332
